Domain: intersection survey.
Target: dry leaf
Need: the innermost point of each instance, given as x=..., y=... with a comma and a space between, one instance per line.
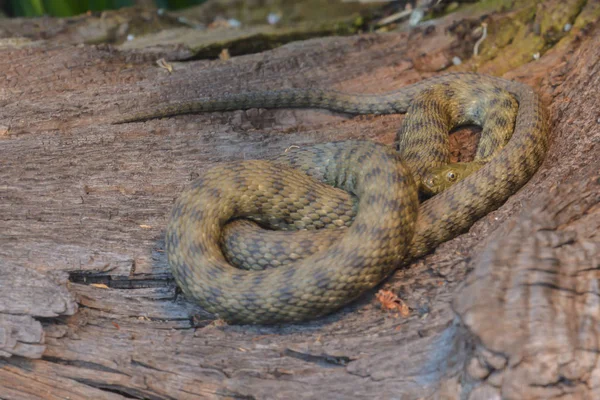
x=100, y=285
x=224, y=55
x=390, y=302
x=164, y=64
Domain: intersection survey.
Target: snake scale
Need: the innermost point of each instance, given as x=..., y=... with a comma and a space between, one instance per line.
x=378, y=223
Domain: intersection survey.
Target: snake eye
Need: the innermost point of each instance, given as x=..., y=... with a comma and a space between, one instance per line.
x=451, y=176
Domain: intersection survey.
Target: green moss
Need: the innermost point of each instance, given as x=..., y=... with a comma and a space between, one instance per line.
x=488, y=6
x=451, y=7
x=553, y=16
x=589, y=13
x=529, y=29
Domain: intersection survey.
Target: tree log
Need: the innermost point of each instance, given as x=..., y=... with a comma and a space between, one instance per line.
x=508, y=309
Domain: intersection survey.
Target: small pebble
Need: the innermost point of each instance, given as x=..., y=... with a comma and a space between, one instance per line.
x=456, y=60
x=130, y=37
x=567, y=27
x=415, y=17
x=273, y=18
x=536, y=56
x=234, y=23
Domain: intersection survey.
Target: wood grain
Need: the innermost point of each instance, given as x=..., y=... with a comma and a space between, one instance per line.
x=83, y=199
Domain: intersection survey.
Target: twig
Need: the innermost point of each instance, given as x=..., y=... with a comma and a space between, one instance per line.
x=481, y=39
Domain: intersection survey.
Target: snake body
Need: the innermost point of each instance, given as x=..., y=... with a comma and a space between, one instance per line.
x=387, y=227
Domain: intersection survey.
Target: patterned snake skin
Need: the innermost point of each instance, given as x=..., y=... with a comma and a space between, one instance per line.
x=375, y=202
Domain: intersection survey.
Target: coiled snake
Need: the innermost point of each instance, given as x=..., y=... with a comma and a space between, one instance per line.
x=376, y=197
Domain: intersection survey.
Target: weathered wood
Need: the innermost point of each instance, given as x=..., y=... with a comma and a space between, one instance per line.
x=533, y=301
x=82, y=197
x=208, y=32
x=21, y=335
x=26, y=293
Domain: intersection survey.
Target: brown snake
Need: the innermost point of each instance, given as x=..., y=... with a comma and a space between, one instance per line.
x=320, y=271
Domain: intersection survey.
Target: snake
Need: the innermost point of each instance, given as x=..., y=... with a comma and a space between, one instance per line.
x=351, y=208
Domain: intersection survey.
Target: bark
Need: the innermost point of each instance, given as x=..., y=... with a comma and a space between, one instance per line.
x=508, y=309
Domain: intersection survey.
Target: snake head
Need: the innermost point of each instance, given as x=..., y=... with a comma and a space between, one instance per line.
x=438, y=179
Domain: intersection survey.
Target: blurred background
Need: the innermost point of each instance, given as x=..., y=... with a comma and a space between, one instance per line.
x=67, y=8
